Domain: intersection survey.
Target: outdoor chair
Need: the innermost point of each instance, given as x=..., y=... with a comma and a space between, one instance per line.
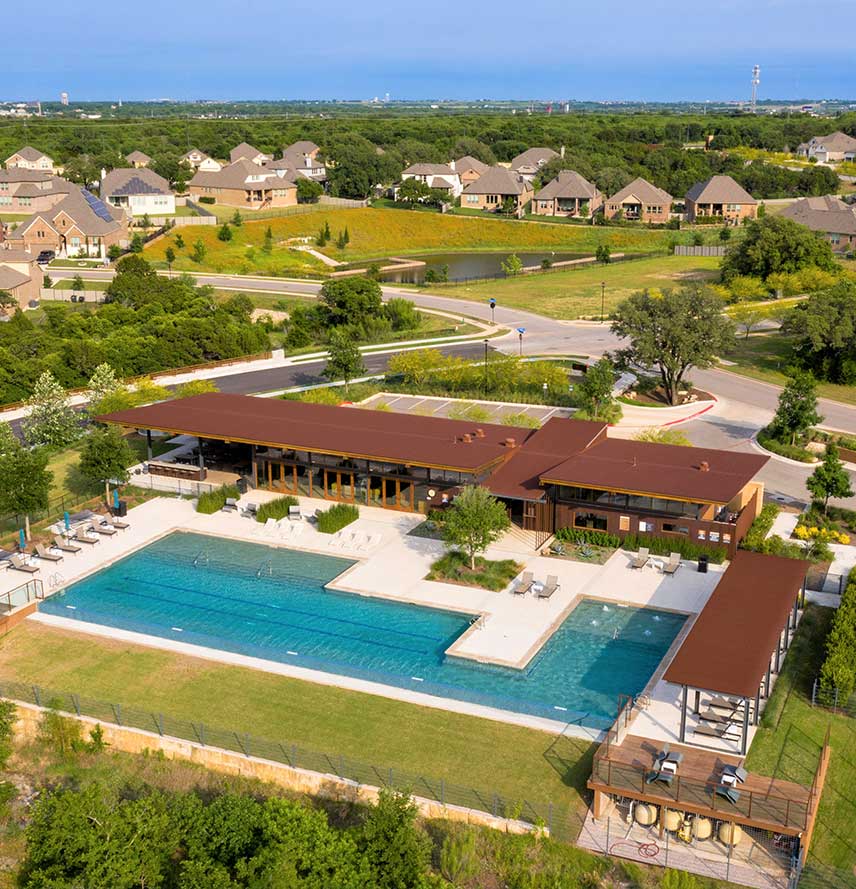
x=119, y=524
x=673, y=564
x=657, y=774
x=522, y=586
x=717, y=702
x=43, y=553
x=18, y=564
x=719, y=718
x=549, y=587
x=294, y=514
x=729, y=793
x=106, y=530
x=64, y=547
x=251, y=510
x=740, y=774
x=715, y=731
x=231, y=505
x=641, y=559
x=82, y=536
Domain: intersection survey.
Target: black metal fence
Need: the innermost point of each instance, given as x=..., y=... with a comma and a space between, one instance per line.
x=832, y=699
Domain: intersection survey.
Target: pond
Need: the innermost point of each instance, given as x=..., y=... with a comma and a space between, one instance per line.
x=471, y=265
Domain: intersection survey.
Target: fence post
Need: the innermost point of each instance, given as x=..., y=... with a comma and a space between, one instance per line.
x=390, y=778
x=117, y=713
x=75, y=700
x=728, y=860
x=341, y=769
x=293, y=762
x=495, y=805
x=202, y=733
x=608, y=822
x=160, y=723
x=814, y=692
x=550, y=817
x=442, y=792
x=37, y=695
x=835, y=702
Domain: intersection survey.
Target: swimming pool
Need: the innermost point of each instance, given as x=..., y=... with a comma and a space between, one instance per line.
x=271, y=603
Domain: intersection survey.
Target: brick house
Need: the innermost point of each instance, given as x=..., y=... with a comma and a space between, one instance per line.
x=528, y=164
x=300, y=159
x=829, y=216
x=833, y=148
x=30, y=191
x=468, y=168
x=19, y=276
x=138, y=159
x=199, y=160
x=80, y=224
x=639, y=201
x=569, y=194
x=245, y=151
x=720, y=197
x=495, y=186
x=246, y=185
x=29, y=158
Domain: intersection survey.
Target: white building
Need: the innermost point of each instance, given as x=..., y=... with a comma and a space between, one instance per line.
x=139, y=190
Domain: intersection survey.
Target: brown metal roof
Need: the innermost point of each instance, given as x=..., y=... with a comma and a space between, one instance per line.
x=700, y=475
x=398, y=438
x=729, y=646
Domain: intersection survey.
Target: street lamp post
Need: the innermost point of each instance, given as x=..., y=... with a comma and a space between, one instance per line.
x=485, y=366
x=602, y=295
x=520, y=332
x=492, y=303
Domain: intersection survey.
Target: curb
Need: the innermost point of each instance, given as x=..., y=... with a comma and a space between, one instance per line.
x=753, y=441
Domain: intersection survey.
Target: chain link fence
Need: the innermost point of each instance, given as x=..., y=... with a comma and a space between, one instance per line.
x=831, y=699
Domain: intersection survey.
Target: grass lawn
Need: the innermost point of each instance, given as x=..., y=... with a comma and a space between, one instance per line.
x=66, y=284
x=788, y=744
x=766, y=356
x=517, y=763
x=576, y=293
x=384, y=232
x=454, y=567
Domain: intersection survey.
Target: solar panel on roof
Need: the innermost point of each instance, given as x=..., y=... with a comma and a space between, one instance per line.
x=98, y=206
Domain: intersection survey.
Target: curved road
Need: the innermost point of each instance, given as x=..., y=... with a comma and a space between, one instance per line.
x=744, y=405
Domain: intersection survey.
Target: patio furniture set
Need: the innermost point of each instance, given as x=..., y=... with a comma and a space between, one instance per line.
x=643, y=558
x=666, y=765
x=527, y=583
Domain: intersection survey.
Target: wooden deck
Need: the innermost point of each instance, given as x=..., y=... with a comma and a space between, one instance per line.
x=766, y=803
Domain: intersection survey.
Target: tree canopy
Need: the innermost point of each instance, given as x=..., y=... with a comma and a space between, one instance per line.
x=825, y=329
x=830, y=479
x=475, y=520
x=797, y=409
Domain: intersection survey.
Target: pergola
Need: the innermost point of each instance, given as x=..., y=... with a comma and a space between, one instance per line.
x=737, y=644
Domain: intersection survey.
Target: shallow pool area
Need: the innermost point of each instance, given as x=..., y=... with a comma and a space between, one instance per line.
x=273, y=603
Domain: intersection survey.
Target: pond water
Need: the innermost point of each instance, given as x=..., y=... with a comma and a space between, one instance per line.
x=471, y=265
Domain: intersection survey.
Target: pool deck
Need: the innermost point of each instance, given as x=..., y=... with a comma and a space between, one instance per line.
x=391, y=564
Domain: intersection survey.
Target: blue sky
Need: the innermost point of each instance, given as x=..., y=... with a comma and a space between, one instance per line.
x=607, y=49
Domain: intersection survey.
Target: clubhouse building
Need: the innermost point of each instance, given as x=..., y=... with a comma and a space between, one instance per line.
x=568, y=473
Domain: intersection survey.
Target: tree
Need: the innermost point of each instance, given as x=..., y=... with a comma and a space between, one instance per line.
x=412, y=191
x=775, y=244
x=747, y=317
x=725, y=234
x=308, y=191
x=825, y=329
x=51, y=419
x=179, y=241
x=603, y=253
x=145, y=221
x=77, y=284
x=681, y=329
x=169, y=256
x=105, y=457
x=7, y=301
x=512, y=265
x=25, y=480
x=103, y=382
x=797, y=410
x=475, y=520
x=267, y=244
x=238, y=220
x=194, y=387
x=663, y=435
x=114, y=252
x=595, y=389
x=224, y=233
x=199, y=251
x=830, y=479
x=351, y=300
x=344, y=359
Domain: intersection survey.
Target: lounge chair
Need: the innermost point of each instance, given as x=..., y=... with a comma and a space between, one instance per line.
x=729, y=793
x=118, y=523
x=641, y=559
x=270, y=528
x=105, y=530
x=64, y=547
x=717, y=702
x=667, y=755
x=522, y=586
x=294, y=514
x=715, y=731
x=251, y=510
x=740, y=774
x=43, y=553
x=231, y=505
x=18, y=564
x=719, y=718
x=82, y=536
x=549, y=587
x=673, y=564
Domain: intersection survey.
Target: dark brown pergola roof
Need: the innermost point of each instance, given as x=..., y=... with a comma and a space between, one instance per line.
x=729, y=646
x=366, y=434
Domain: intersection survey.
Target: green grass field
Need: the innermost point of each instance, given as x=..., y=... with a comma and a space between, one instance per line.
x=381, y=233
x=766, y=357
x=576, y=293
x=490, y=756
x=67, y=284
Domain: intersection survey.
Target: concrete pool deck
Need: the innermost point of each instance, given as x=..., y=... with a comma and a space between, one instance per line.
x=392, y=564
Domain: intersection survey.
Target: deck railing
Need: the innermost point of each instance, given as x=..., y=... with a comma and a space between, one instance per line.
x=21, y=595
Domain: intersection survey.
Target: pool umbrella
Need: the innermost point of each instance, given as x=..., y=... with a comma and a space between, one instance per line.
x=67, y=518
x=22, y=540
x=116, y=499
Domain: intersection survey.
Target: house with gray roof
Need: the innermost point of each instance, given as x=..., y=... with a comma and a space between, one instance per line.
x=497, y=188
x=529, y=162
x=199, y=160
x=29, y=158
x=639, y=201
x=245, y=151
x=28, y=191
x=245, y=185
x=720, y=200
x=139, y=190
x=831, y=217
x=19, y=276
x=301, y=159
x=440, y=176
x=834, y=148
x=138, y=159
x=468, y=168
x=569, y=194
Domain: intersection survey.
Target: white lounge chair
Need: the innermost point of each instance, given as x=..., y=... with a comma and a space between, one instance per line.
x=18, y=564
x=65, y=547
x=270, y=528
x=43, y=553
x=641, y=559
x=673, y=564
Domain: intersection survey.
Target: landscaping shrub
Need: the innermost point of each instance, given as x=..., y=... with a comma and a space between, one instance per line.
x=838, y=672
x=337, y=517
x=658, y=546
x=760, y=528
x=492, y=575
x=213, y=501
x=276, y=509
x=590, y=536
x=793, y=452
x=207, y=199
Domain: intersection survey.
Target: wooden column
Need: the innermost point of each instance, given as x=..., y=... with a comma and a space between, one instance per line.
x=684, y=696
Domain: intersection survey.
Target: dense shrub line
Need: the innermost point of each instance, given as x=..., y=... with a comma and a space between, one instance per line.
x=337, y=517
x=657, y=546
x=792, y=452
x=213, y=501
x=276, y=509
x=839, y=668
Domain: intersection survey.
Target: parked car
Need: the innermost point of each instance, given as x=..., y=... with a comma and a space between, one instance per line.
x=46, y=256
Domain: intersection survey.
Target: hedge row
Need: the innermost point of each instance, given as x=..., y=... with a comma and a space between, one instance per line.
x=756, y=538
x=336, y=517
x=792, y=452
x=657, y=546
x=213, y=501
x=839, y=668
x=276, y=509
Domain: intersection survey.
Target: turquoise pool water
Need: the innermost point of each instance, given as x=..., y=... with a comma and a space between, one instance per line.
x=271, y=603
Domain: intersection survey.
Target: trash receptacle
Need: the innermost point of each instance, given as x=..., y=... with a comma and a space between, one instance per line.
x=702, y=564
x=242, y=485
x=121, y=510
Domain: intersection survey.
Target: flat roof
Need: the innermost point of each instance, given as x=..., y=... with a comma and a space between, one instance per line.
x=367, y=434
x=637, y=467
x=729, y=646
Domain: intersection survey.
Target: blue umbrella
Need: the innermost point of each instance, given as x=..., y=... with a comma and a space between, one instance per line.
x=22, y=541
x=115, y=498
x=67, y=518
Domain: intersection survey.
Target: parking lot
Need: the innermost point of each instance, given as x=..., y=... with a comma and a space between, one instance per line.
x=464, y=409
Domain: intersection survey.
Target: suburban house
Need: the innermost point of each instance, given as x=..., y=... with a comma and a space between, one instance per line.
x=29, y=158
x=440, y=176
x=198, y=160
x=139, y=190
x=829, y=216
x=246, y=185
x=80, y=224
x=29, y=191
x=529, y=163
x=468, y=168
x=301, y=159
x=138, y=159
x=19, y=275
x=568, y=473
x=494, y=187
x=302, y=148
x=245, y=151
x=639, y=201
x=835, y=147
x=720, y=198
x=569, y=194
